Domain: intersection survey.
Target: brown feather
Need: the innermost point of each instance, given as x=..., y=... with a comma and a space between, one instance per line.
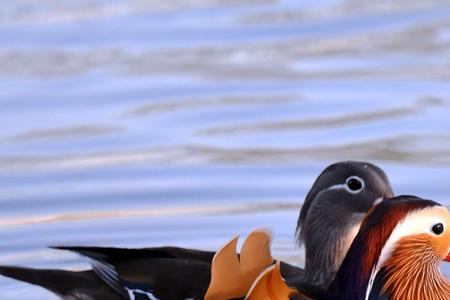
x=377, y=237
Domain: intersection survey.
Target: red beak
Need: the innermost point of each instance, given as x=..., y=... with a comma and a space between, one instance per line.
x=447, y=259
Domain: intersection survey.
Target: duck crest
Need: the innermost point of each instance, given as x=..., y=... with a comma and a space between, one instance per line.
x=233, y=275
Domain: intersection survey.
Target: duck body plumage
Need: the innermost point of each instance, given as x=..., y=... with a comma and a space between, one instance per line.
x=120, y=273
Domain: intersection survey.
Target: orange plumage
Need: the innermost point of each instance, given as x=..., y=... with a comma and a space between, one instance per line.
x=410, y=276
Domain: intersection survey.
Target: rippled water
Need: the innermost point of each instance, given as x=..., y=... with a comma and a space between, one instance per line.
x=141, y=123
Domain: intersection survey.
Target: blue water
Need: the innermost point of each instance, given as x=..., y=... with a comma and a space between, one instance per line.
x=129, y=123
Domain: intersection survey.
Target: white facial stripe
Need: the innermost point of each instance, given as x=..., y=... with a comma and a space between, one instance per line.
x=338, y=187
x=344, y=186
x=417, y=222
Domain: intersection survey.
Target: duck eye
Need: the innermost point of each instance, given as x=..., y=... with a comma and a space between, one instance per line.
x=355, y=184
x=438, y=228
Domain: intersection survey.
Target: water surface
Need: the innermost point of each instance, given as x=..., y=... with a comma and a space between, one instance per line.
x=127, y=123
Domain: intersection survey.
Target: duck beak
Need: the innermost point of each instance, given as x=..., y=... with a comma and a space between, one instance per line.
x=447, y=259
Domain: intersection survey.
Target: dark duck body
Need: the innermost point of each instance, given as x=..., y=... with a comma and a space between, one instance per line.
x=120, y=273
x=329, y=219
x=395, y=256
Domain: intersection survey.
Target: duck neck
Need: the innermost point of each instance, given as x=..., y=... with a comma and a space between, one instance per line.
x=325, y=255
x=322, y=263
x=412, y=272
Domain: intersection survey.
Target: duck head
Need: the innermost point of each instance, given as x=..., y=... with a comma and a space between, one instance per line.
x=397, y=253
x=332, y=213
